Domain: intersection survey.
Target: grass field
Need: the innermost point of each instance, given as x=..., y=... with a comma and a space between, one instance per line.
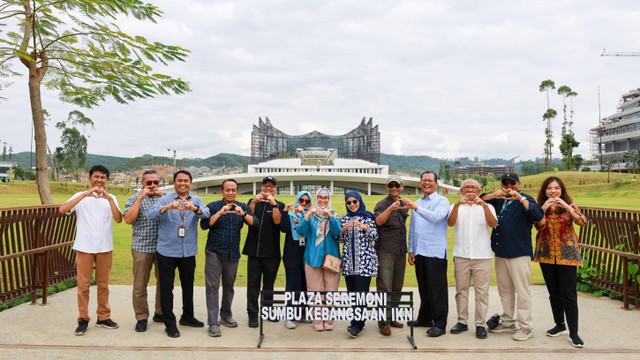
x=587, y=189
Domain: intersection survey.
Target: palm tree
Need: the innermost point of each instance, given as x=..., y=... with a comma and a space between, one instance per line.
x=547, y=85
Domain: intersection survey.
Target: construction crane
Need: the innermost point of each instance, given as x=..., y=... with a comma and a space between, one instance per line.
x=513, y=160
x=625, y=53
x=174, y=157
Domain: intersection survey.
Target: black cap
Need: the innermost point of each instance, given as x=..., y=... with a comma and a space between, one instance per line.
x=510, y=176
x=270, y=178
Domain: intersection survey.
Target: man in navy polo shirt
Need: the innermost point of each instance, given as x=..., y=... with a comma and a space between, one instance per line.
x=511, y=243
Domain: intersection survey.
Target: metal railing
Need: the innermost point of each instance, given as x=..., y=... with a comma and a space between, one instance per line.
x=35, y=251
x=610, y=243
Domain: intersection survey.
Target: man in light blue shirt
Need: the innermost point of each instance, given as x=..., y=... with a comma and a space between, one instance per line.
x=428, y=253
x=177, y=248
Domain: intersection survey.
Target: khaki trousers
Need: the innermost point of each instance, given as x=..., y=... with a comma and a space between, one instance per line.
x=478, y=270
x=319, y=279
x=84, y=264
x=514, y=277
x=142, y=264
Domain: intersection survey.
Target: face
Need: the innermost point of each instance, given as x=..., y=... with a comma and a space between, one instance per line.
x=352, y=204
x=323, y=200
x=98, y=178
x=511, y=184
x=394, y=189
x=269, y=188
x=428, y=184
x=229, y=192
x=304, y=201
x=553, y=190
x=151, y=181
x=182, y=185
x=469, y=190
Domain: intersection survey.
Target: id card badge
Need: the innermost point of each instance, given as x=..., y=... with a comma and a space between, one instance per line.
x=301, y=241
x=182, y=231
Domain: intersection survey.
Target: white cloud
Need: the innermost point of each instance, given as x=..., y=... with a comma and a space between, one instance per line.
x=441, y=78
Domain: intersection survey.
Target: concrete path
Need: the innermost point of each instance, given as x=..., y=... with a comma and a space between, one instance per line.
x=46, y=332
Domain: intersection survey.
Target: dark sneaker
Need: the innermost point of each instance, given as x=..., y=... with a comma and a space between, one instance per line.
x=172, y=332
x=493, y=321
x=193, y=322
x=435, y=331
x=575, y=341
x=82, y=327
x=214, y=331
x=418, y=323
x=141, y=325
x=158, y=318
x=559, y=329
x=481, y=332
x=107, y=324
x=354, y=331
x=253, y=321
x=229, y=322
x=459, y=328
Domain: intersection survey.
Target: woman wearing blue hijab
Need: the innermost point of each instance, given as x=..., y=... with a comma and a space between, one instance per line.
x=293, y=255
x=359, y=258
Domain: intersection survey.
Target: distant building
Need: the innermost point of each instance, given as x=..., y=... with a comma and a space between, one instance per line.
x=4, y=168
x=362, y=142
x=617, y=133
x=484, y=170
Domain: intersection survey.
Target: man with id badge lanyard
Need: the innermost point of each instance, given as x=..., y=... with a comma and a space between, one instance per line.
x=177, y=248
x=511, y=243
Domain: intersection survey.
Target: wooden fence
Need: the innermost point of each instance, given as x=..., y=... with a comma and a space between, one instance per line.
x=610, y=244
x=35, y=251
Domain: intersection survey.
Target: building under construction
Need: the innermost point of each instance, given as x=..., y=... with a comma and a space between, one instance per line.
x=362, y=142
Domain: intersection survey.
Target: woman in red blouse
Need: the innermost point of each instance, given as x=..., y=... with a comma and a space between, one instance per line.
x=559, y=256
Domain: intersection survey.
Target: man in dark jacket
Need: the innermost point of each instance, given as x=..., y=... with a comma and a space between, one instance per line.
x=262, y=246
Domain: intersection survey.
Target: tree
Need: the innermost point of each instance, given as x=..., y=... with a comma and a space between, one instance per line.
x=72, y=156
x=632, y=158
x=74, y=47
x=577, y=162
x=531, y=167
x=546, y=86
x=4, y=152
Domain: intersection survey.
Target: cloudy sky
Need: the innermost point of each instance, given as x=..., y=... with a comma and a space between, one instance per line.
x=439, y=78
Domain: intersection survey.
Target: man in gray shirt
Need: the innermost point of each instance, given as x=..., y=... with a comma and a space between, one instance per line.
x=391, y=215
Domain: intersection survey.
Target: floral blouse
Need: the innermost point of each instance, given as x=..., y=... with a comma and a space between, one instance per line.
x=359, y=254
x=557, y=241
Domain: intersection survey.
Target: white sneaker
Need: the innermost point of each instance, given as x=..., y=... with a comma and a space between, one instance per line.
x=290, y=324
x=523, y=334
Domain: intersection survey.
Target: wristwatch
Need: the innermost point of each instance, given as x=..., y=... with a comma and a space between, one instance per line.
x=197, y=209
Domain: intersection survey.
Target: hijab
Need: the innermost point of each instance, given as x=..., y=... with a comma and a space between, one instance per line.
x=362, y=209
x=323, y=224
x=296, y=217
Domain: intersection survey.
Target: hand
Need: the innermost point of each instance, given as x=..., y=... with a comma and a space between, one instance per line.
x=463, y=200
x=478, y=201
x=288, y=207
x=510, y=194
x=174, y=205
x=238, y=211
x=408, y=204
x=188, y=205
x=97, y=192
x=228, y=209
x=156, y=192
x=144, y=193
x=412, y=259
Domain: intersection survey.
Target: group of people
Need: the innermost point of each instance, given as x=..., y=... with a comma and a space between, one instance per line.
x=374, y=244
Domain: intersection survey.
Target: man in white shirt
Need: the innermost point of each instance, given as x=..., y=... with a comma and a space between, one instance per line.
x=472, y=220
x=93, y=244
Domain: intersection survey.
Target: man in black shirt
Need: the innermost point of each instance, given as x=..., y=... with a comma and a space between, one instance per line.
x=262, y=246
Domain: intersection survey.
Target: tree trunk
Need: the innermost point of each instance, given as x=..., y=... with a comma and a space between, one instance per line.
x=40, y=135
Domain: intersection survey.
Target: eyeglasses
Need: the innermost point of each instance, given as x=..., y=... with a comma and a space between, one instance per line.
x=506, y=182
x=269, y=186
x=354, y=202
x=304, y=201
x=428, y=180
x=154, y=182
x=394, y=185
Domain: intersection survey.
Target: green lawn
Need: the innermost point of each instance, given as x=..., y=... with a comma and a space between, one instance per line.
x=623, y=192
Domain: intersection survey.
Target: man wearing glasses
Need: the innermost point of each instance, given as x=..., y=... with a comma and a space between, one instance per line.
x=262, y=246
x=428, y=252
x=511, y=243
x=143, y=247
x=391, y=216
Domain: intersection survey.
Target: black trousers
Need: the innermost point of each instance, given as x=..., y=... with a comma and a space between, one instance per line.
x=431, y=274
x=167, y=271
x=259, y=270
x=561, y=284
x=357, y=283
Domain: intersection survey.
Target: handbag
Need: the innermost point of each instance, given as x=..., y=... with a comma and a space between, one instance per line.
x=330, y=262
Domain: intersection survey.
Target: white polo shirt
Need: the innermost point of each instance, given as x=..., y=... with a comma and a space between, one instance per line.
x=94, y=220
x=472, y=233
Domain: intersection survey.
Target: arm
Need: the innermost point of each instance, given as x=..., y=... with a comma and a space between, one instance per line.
x=453, y=215
x=132, y=209
x=489, y=214
x=437, y=213
x=412, y=240
x=115, y=210
x=277, y=213
x=249, y=217
x=335, y=226
x=71, y=203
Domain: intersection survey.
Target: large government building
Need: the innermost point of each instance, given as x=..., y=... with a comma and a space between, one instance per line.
x=617, y=133
x=361, y=143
